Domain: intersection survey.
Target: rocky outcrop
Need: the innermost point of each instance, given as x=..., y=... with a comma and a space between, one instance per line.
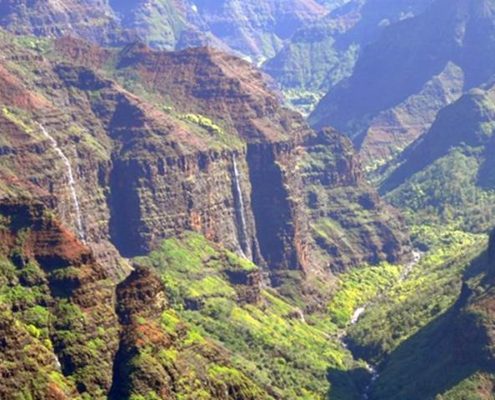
x=248, y=285
x=351, y=225
x=156, y=358
x=273, y=209
x=68, y=295
x=195, y=197
x=142, y=294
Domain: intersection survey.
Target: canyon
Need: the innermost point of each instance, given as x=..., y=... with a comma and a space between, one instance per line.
x=173, y=227
x=231, y=116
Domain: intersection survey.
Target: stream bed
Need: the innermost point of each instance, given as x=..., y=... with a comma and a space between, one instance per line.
x=360, y=311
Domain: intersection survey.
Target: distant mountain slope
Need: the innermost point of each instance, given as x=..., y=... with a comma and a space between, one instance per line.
x=255, y=29
x=448, y=173
x=91, y=19
x=414, y=69
x=320, y=54
x=307, y=48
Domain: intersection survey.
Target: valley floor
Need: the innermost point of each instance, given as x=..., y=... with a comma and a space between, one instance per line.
x=381, y=308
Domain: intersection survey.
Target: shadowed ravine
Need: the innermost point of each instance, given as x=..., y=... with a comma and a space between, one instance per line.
x=361, y=310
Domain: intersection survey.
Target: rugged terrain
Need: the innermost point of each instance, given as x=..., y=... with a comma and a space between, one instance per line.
x=321, y=54
x=249, y=28
x=128, y=147
x=453, y=356
x=169, y=230
x=67, y=335
x=413, y=70
x=147, y=131
x=447, y=175
x=307, y=46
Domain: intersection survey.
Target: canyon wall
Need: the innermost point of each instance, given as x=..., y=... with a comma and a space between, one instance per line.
x=163, y=143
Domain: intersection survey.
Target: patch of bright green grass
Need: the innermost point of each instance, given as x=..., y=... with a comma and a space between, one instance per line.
x=271, y=342
x=358, y=287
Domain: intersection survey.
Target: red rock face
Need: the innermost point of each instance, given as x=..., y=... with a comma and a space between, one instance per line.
x=46, y=240
x=232, y=92
x=65, y=274
x=101, y=340
x=142, y=294
x=156, y=158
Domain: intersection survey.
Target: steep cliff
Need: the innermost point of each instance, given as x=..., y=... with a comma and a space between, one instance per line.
x=152, y=144
x=278, y=142
x=348, y=219
x=69, y=333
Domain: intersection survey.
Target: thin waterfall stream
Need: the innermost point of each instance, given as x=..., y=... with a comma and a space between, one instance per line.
x=240, y=212
x=71, y=182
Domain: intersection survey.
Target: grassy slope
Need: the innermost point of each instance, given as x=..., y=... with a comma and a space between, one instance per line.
x=278, y=347
x=431, y=288
x=269, y=340
x=449, y=191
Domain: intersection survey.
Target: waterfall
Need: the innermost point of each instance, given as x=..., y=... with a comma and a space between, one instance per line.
x=71, y=183
x=241, y=216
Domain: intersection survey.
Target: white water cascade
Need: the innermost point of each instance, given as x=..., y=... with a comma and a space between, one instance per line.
x=71, y=183
x=241, y=216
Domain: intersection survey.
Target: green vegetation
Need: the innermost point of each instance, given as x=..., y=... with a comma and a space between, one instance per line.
x=269, y=338
x=475, y=387
x=203, y=122
x=41, y=45
x=310, y=64
x=448, y=191
x=273, y=343
x=431, y=288
x=302, y=101
x=215, y=134
x=48, y=318
x=26, y=320
x=160, y=26
x=449, y=357
x=19, y=118
x=360, y=286
x=96, y=147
